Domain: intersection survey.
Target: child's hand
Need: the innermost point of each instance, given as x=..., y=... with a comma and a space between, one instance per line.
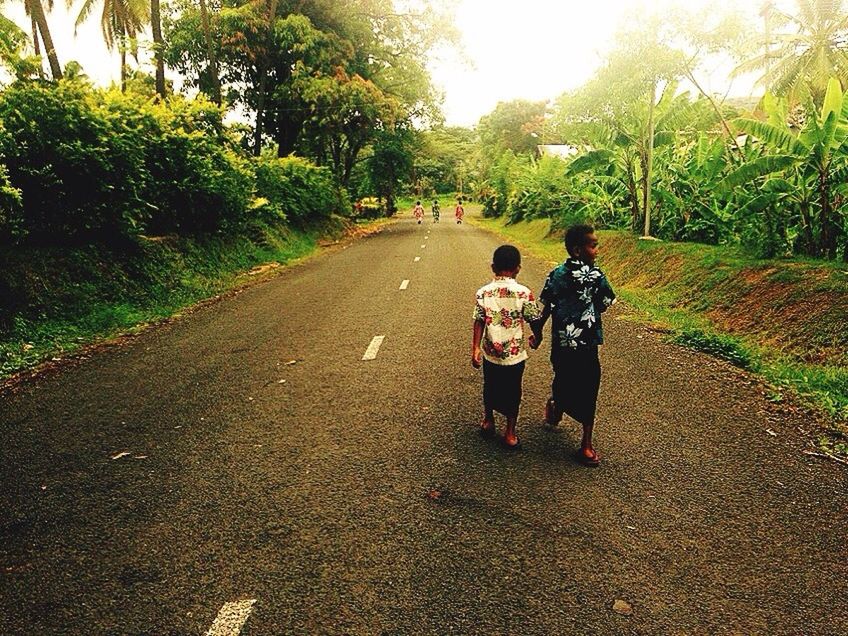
x=533, y=341
x=477, y=358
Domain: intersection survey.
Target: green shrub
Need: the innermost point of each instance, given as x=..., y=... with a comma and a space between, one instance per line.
x=297, y=190
x=11, y=226
x=79, y=177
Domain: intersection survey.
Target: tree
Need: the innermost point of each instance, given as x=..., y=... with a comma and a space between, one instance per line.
x=36, y=10
x=512, y=126
x=804, y=51
x=366, y=39
x=348, y=113
x=120, y=22
x=158, y=47
x=390, y=163
x=211, y=55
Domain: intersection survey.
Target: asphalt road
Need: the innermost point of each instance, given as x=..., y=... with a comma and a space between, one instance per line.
x=246, y=453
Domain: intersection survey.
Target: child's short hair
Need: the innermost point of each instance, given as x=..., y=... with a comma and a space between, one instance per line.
x=575, y=236
x=506, y=258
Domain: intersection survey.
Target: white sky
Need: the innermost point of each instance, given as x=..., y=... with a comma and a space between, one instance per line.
x=533, y=49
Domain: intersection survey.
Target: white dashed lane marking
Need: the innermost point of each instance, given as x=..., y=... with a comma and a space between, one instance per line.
x=423, y=246
x=404, y=284
x=231, y=618
x=373, y=348
x=416, y=259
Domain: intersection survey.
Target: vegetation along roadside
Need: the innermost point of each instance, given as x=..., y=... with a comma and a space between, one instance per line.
x=783, y=319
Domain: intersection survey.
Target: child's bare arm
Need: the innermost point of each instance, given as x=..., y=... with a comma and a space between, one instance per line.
x=476, y=352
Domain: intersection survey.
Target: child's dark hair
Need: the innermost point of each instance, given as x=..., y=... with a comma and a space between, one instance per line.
x=575, y=236
x=506, y=258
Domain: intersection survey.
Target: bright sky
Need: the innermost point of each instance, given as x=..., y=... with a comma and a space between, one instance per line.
x=533, y=49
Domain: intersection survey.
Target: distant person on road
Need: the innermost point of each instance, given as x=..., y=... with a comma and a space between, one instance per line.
x=437, y=211
x=576, y=293
x=502, y=309
x=459, y=212
x=418, y=211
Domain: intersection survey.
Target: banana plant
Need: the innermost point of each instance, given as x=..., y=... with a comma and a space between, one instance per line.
x=804, y=169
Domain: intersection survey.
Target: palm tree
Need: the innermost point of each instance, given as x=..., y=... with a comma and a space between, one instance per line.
x=120, y=21
x=806, y=49
x=35, y=10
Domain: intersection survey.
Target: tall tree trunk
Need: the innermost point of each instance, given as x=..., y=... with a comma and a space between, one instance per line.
x=37, y=12
x=158, y=46
x=122, y=39
x=263, y=80
x=211, y=57
x=35, y=43
x=635, y=214
x=649, y=161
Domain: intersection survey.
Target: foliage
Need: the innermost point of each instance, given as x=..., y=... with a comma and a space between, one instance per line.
x=802, y=172
x=328, y=76
x=804, y=50
x=296, y=191
x=89, y=165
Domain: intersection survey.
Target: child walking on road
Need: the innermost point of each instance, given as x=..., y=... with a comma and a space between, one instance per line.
x=459, y=212
x=576, y=293
x=502, y=309
x=418, y=212
x=437, y=211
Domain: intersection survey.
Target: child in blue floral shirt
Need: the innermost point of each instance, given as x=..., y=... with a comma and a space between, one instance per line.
x=576, y=293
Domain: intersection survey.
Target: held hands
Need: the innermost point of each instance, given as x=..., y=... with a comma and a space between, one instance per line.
x=534, y=341
x=477, y=358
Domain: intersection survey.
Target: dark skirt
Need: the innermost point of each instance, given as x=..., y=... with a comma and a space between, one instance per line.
x=502, y=387
x=577, y=378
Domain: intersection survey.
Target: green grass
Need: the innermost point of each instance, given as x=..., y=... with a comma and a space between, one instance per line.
x=77, y=297
x=680, y=288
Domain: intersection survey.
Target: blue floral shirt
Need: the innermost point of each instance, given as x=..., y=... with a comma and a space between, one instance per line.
x=577, y=294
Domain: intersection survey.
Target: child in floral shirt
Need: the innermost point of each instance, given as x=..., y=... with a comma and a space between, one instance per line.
x=575, y=294
x=503, y=307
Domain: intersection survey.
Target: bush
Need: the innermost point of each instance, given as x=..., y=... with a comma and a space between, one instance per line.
x=79, y=177
x=296, y=190
x=11, y=226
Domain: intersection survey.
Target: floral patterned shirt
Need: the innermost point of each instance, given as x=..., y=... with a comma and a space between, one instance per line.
x=503, y=306
x=577, y=295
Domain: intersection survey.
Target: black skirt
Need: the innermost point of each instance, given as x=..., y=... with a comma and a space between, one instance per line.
x=577, y=379
x=502, y=387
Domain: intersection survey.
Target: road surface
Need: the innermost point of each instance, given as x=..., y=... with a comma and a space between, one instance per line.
x=244, y=471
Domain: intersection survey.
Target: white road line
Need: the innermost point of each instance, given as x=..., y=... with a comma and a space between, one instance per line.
x=373, y=348
x=423, y=246
x=231, y=618
x=416, y=259
x=404, y=284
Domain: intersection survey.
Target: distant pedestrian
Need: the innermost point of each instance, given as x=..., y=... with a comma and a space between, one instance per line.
x=437, y=211
x=418, y=211
x=576, y=293
x=459, y=212
x=502, y=309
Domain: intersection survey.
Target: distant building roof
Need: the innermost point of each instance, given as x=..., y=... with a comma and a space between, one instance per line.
x=562, y=151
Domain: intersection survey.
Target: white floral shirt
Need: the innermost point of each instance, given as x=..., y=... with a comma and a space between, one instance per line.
x=503, y=306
